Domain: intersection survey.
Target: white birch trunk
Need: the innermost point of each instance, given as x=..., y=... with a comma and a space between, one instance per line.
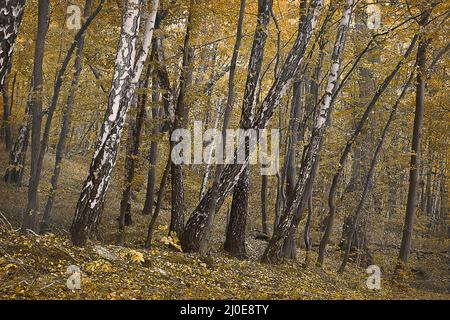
x=90, y=204
x=11, y=12
x=288, y=223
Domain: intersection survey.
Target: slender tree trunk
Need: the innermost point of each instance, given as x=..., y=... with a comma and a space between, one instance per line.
x=12, y=13
x=36, y=114
x=157, y=112
x=159, y=200
x=291, y=170
x=369, y=177
x=405, y=246
x=307, y=231
x=6, y=127
x=67, y=113
x=347, y=149
x=289, y=247
x=264, y=204
x=181, y=121
x=132, y=152
x=429, y=183
x=153, y=152
x=90, y=204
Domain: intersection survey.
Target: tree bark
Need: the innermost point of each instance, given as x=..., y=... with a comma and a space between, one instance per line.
x=6, y=127
x=405, y=246
x=28, y=220
x=307, y=231
x=132, y=151
x=10, y=19
x=264, y=204
x=181, y=121
x=162, y=185
x=235, y=239
x=153, y=152
x=14, y=171
x=90, y=204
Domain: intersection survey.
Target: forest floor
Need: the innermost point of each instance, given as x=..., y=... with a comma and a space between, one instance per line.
x=35, y=267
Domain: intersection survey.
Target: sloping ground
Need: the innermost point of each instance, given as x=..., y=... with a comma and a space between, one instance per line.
x=35, y=267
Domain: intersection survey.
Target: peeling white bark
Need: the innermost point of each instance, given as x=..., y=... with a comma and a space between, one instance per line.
x=290, y=217
x=11, y=13
x=90, y=204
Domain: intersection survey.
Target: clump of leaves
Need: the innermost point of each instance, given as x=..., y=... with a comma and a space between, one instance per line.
x=172, y=241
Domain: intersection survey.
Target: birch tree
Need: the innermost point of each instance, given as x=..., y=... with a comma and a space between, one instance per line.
x=288, y=223
x=128, y=68
x=136, y=125
x=11, y=13
x=235, y=238
x=196, y=224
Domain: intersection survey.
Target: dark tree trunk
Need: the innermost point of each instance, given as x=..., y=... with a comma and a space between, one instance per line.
x=159, y=200
x=67, y=113
x=235, y=237
x=153, y=152
x=28, y=221
x=307, y=231
x=264, y=204
x=157, y=113
x=132, y=152
x=405, y=246
x=291, y=170
x=289, y=247
x=181, y=121
x=428, y=188
x=235, y=240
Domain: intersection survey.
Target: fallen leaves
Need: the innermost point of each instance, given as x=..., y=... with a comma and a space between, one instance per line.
x=32, y=270
x=136, y=256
